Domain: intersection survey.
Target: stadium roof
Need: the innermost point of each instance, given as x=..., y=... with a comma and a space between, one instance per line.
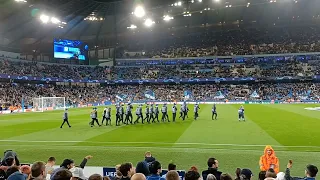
x=93, y=20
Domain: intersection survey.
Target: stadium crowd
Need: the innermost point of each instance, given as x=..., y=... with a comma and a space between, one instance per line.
x=249, y=69
x=148, y=169
x=228, y=43
x=11, y=94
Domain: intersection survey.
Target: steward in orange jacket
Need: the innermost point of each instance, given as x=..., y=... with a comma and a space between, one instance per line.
x=269, y=160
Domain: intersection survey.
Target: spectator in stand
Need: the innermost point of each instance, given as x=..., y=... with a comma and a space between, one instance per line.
x=271, y=174
x=77, y=174
x=142, y=168
x=17, y=176
x=118, y=173
x=11, y=170
x=138, y=176
x=38, y=170
x=192, y=175
x=310, y=172
x=213, y=165
x=62, y=174
x=171, y=167
x=155, y=171
x=25, y=169
x=148, y=158
x=211, y=177
x=67, y=164
x=127, y=171
x=281, y=176
x=172, y=175
x=269, y=160
x=49, y=166
x=262, y=175
x=238, y=173
x=95, y=177
x=225, y=176
x=246, y=174
x=2, y=175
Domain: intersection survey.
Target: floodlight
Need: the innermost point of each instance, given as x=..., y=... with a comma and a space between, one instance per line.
x=139, y=11
x=44, y=18
x=192, y=1
x=200, y=1
x=216, y=0
x=132, y=27
x=55, y=20
x=175, y=4
x=149, y=22
x=167, y=18
x=20, y=1
x=179, y=3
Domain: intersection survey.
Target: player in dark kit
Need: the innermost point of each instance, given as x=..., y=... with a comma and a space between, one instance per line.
x=151, y=113
x=214, y=112
x=196, y=111
x=174, y=112
x=147, y=114
x=121, y=111
x=94, y=117
x=156, y=113
x=118, y=115
x=104, y=113
x=65, y=118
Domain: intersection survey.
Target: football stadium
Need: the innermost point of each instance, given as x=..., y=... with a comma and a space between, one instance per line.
x=159, y=89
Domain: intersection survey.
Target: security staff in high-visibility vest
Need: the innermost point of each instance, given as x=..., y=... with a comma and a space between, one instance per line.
x=94, y=117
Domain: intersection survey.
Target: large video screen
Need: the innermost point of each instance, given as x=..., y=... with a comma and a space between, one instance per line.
x=70, y=49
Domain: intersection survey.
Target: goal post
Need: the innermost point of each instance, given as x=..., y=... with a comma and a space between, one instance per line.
x=41, y=104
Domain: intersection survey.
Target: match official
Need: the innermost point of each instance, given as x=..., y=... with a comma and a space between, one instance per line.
x=174, y=112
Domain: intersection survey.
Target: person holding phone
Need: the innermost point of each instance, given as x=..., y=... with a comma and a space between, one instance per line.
x=269, y=160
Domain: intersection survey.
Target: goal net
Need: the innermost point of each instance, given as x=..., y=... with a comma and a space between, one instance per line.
x=41, y=104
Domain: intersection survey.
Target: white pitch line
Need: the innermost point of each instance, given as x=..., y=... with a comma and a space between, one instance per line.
x=160, y=143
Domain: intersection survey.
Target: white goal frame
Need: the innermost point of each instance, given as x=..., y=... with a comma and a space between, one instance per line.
x=42, y=104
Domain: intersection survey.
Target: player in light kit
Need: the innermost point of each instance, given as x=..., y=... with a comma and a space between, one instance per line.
x=139, y=114
x=147, y=114
x=128, y=114
x=65, y=118
x=214, y=112
x=196, y=110
x=174, y=112
x=164, y=111
x=241, y=114
x=108, y=116
x=181, y=111
x=94, y=117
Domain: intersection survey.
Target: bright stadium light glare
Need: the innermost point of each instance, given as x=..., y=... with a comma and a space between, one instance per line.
x=55, y=20
x=179, y=3
x=148, y=22
x=132, y=27
x=139, y=12
x=167, y=18
x=200, y=1
x=216, y=0
x=44, y=18
x=20, y=1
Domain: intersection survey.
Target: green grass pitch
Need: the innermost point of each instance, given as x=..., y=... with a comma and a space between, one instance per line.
x=294, y=132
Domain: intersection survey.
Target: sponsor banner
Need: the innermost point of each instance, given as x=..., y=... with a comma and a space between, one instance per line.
x=111, y=172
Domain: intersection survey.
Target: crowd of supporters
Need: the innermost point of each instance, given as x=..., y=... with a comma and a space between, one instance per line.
x=11, y=94
x=277, y=69
x=230, y=42
x=148, y=169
